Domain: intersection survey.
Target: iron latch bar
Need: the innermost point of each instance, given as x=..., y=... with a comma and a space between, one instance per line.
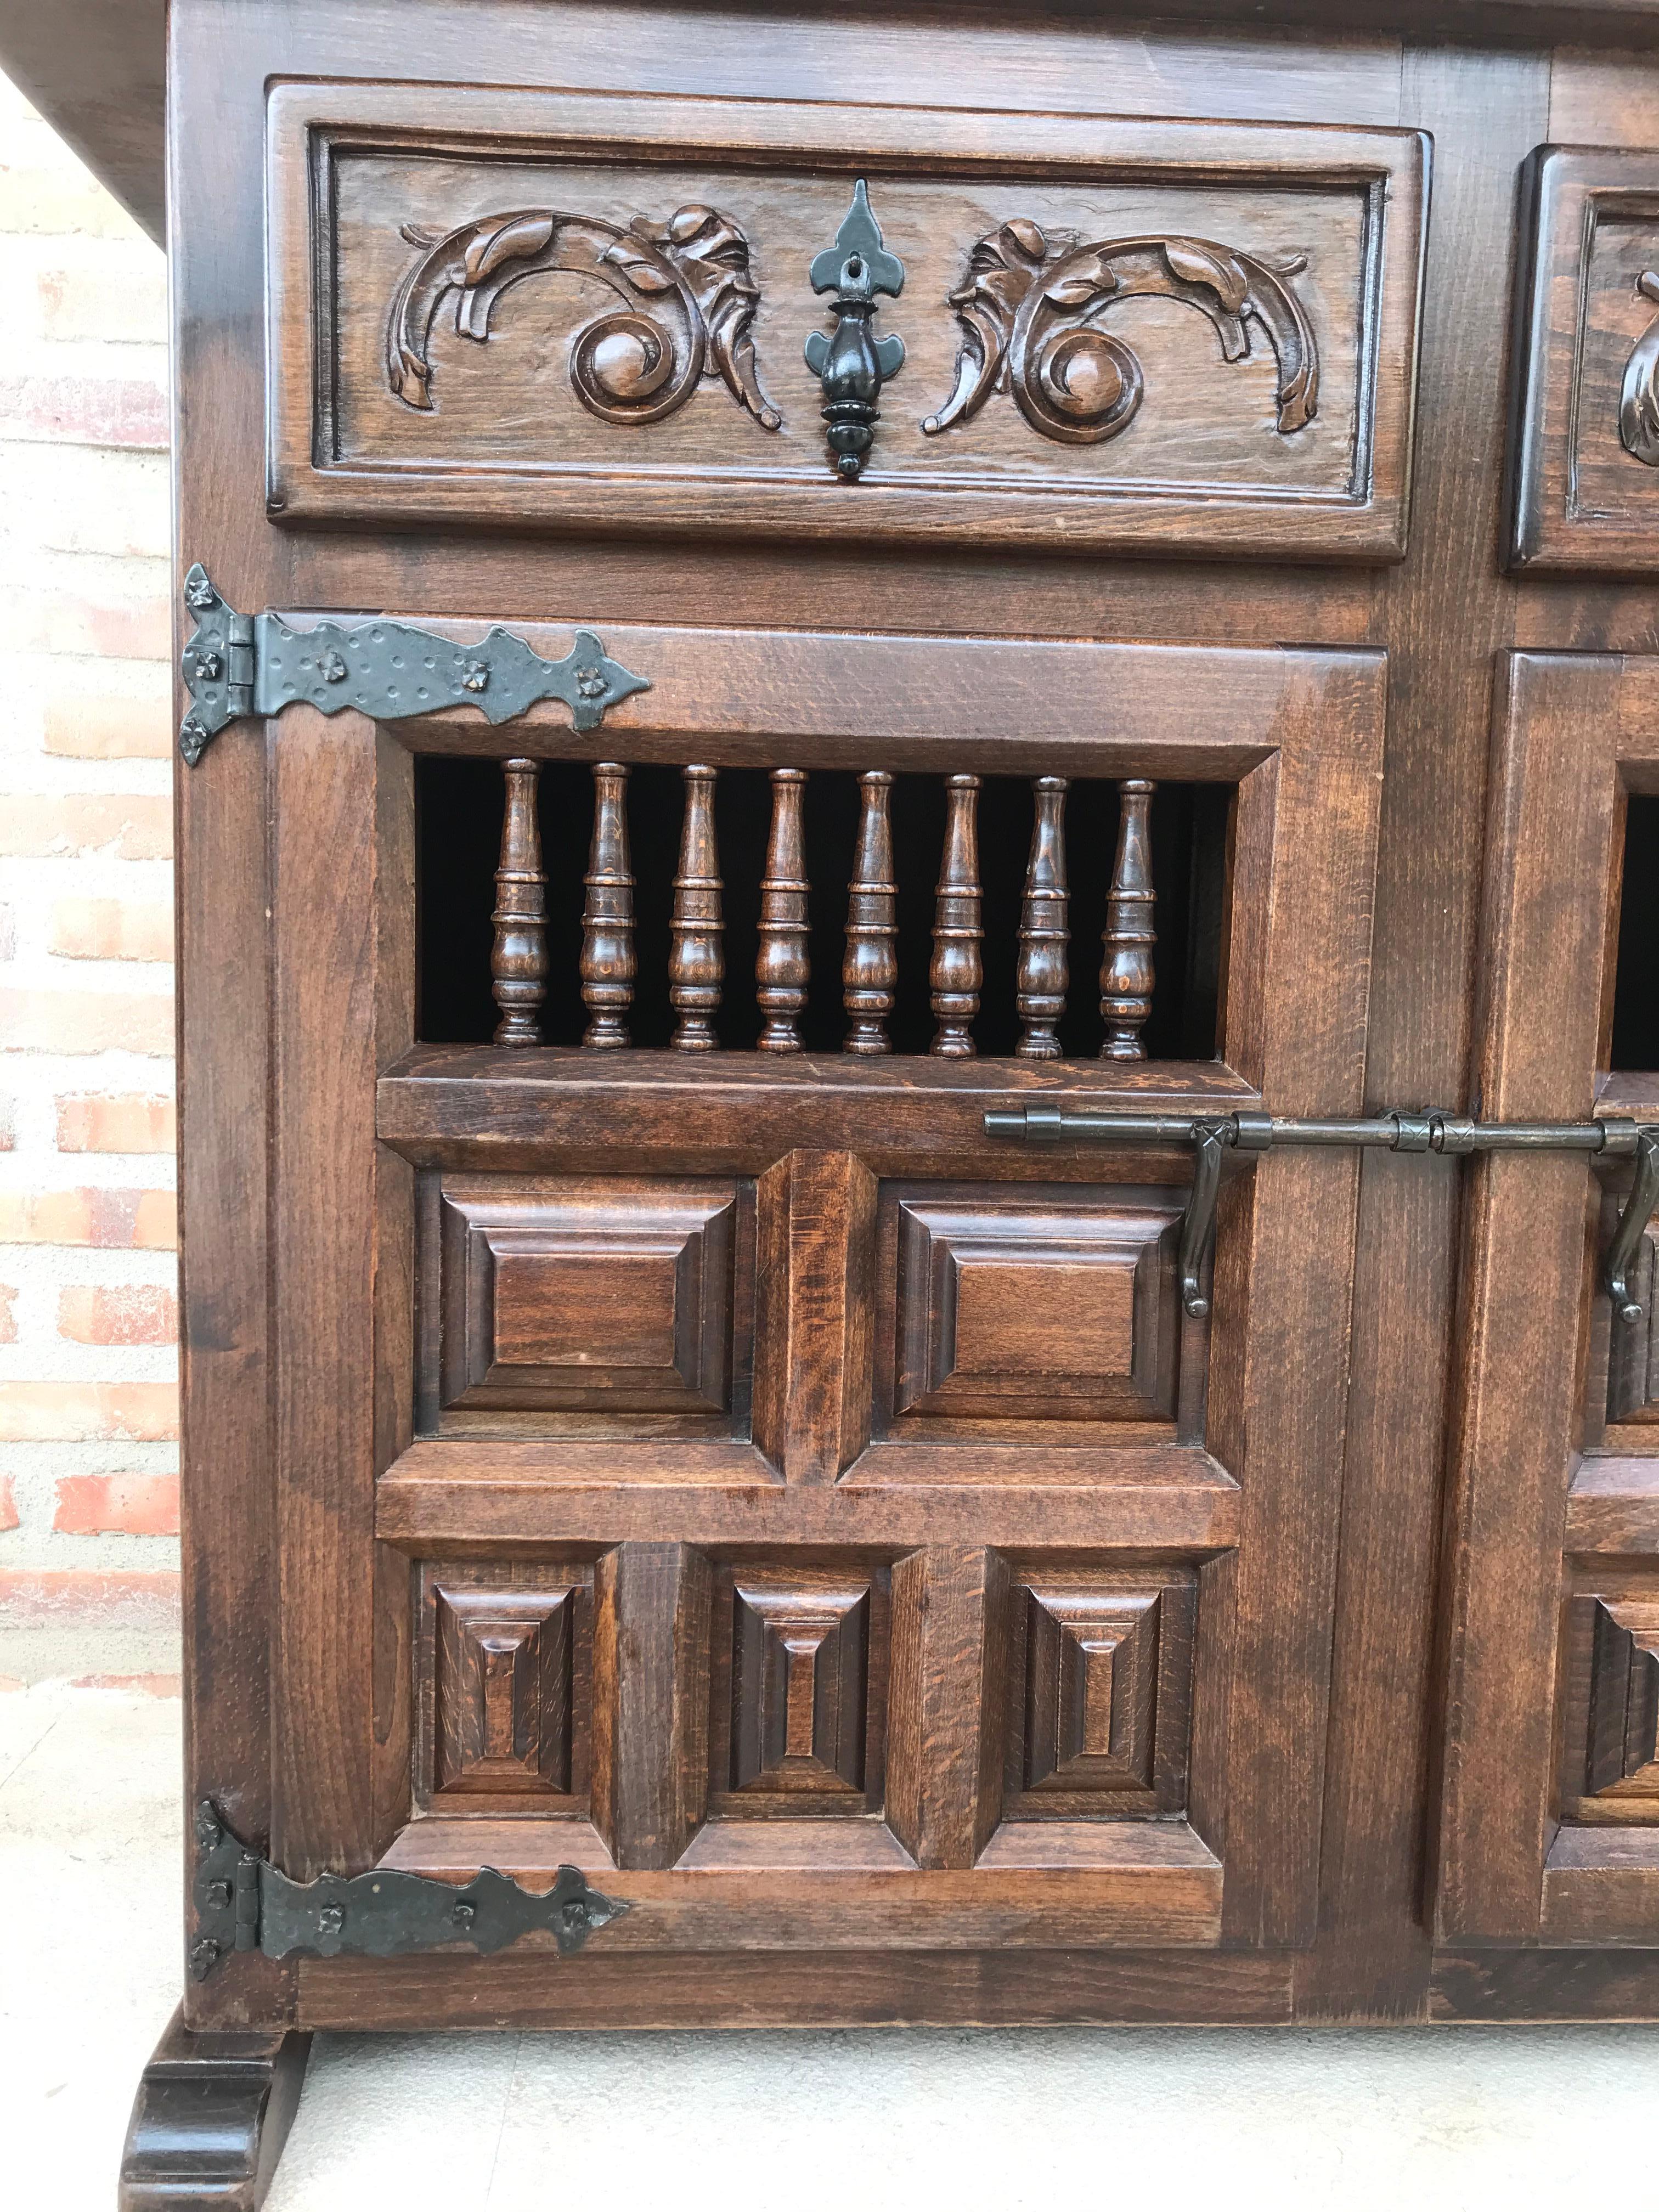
x=237, y=664
x=1608, y=1137
x=243, y=1903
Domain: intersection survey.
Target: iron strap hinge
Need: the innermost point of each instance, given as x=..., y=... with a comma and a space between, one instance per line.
x=1608, y=1137
x=243, y=1903
x=237, y=664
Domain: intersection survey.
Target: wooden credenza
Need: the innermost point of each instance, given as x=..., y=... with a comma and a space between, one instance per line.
x=759, y=588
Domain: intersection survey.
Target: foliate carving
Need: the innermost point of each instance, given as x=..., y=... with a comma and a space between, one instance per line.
x=1028, y=307
x=689, y=305
x=1639, y=402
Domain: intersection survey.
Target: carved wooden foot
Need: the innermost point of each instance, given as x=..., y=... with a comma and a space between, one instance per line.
x=209, y=2120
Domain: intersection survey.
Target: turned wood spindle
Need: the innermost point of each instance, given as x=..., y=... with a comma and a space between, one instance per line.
x=696, y=961
x=607, y=961
x=1042, y=975
x=782, y=969
x=870, y=971
x=518, y=960
x=1127, y=974
x=958, y=971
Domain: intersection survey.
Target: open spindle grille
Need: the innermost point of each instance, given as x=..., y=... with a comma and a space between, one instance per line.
x=782, y=912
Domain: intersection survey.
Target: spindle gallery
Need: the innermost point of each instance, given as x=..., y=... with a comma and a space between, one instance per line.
x=608, y=961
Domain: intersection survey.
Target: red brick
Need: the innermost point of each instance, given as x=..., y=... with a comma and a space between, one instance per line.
x=88, y=1413
x=116, y=1122
x=8, y=1318
x=86, y=410
x=8, y=1504
x=135, y=626
x=137, y=1686
x=94, y=1313
x=145, y=1220
x=87, y=1021
x=138, y=1598
x=97, y=726
x=86, y=303
x=111, y=929
x=43, y=826
x=117, y=1504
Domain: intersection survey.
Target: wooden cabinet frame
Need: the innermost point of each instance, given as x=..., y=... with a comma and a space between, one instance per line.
x=1576, y=734
x=303, y=1526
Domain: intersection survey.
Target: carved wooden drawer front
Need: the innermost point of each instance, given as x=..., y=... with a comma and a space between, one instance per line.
x=587, y=1295
x=1586, y=459
x=482, y=311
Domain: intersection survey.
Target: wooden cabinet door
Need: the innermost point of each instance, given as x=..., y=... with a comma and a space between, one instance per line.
x=1549, y=1829
x=733, y=1473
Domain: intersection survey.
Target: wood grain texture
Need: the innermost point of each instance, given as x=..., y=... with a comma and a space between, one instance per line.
x=1447, y=611
x=814, y=1313
x=1040, y=1308
x=503, y=1666
x=610, y=1295
x=1583, y=494
x=837, y=653
x=209, y=2119
x=1346, y=206
x=337, y=919
x=1551, y=855
x=650, y=1700
x=801, y=1989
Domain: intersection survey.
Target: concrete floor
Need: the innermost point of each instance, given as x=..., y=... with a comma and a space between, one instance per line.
x=89, y=1857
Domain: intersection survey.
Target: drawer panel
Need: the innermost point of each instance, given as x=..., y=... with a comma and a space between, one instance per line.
x=593, y=309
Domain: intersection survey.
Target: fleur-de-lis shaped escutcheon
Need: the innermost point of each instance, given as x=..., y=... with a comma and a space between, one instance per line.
x=851, y=363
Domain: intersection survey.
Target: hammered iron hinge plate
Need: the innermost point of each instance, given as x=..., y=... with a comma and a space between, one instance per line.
x=243, y=1903
x=237, y=664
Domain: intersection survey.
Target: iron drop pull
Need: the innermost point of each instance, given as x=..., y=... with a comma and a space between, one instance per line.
x=1210, y=1135
x=853, y=364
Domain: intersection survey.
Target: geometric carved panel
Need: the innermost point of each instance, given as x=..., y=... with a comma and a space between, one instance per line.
x=1622, y=1740
x=502, y=1689
x=1036, y=1309
x=1090, y=1689
x=1101, y=1687
x=592, y=1294
x=799, y=1663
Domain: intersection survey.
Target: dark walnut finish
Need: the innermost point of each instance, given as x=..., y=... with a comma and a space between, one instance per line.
x=1288, y=428
x=1586, y=457
x=728, y=1470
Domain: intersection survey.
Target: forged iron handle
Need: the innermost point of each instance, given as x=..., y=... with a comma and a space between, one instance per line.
x=1610, y=1137
x=1632, y=1226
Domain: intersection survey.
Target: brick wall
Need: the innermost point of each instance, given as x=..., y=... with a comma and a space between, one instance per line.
x=89, y=1383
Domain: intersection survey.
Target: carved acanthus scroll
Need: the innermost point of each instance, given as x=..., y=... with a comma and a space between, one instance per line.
x=1639, y=402
x=1027, y=308
x=689, y=305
